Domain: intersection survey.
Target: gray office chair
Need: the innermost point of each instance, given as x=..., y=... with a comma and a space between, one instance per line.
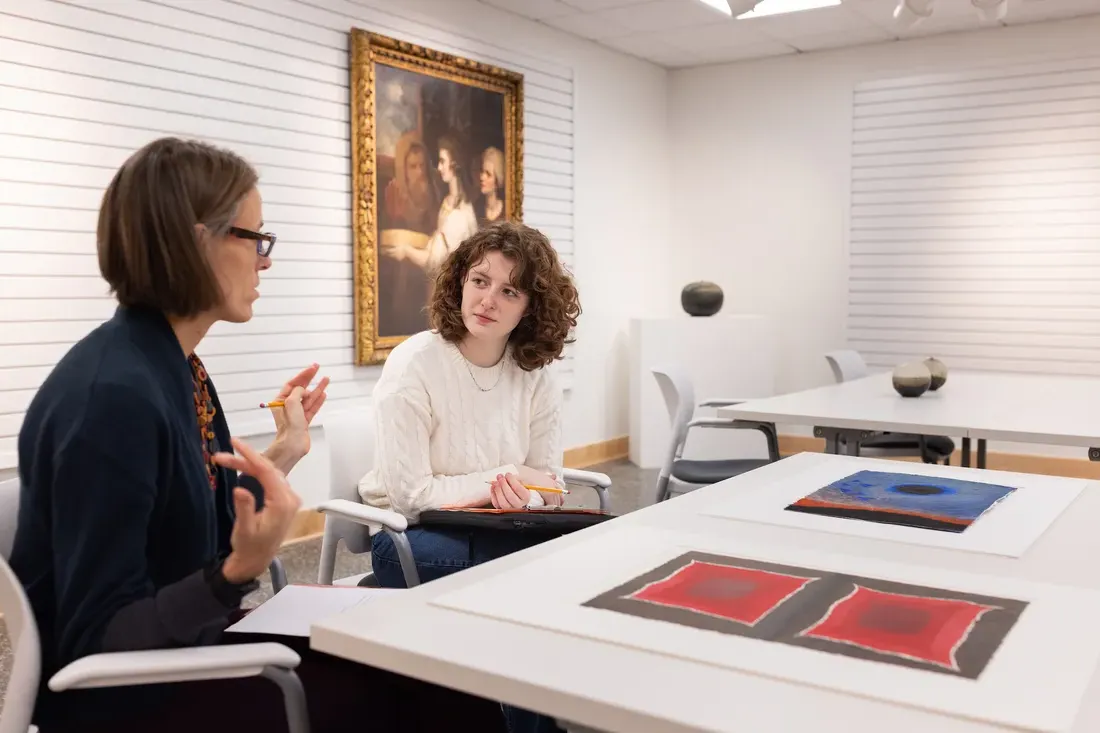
x=273, y=661
x=350, y=439
x=847, y=365
x=679, y=395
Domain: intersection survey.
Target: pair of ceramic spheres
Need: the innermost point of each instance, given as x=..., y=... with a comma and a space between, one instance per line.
x=917, y=377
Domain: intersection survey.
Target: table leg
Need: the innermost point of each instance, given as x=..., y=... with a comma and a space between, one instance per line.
x=981, y=452
x=965, y=463
x=842, y=441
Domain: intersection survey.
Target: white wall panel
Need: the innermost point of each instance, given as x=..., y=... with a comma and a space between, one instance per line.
x=975, y=219
x=84, y=83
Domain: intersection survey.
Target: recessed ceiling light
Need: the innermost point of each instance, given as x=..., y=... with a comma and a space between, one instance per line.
x=775, y=7
x=721, y=5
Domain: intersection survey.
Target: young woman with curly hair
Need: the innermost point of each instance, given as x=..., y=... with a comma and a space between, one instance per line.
x=468, y=413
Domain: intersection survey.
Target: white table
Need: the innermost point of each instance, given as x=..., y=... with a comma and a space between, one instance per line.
x=606, y=687
x=1023, y=408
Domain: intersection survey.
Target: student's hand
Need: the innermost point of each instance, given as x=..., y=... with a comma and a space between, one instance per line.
x=257, y=536
x=534, y=477
x=507, y=492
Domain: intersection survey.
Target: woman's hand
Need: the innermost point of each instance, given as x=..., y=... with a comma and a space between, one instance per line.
x=292, y=420
x=508, y=492
x=534, y=477
x=257, y=536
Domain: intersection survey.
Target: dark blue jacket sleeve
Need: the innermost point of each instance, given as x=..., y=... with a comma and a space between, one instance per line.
x=104, y=488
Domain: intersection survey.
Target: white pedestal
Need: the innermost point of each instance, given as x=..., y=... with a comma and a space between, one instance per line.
x=726, y=356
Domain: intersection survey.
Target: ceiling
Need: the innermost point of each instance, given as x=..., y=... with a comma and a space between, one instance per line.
x=679, y=33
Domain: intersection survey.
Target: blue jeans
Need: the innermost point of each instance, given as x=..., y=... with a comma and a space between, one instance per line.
x=441, y=551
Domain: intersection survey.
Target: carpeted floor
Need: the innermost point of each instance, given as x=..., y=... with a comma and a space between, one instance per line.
x=631, y=489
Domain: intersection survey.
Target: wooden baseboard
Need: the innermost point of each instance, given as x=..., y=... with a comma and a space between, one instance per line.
x=310, y=524
x=593, y=453
x=996, y=460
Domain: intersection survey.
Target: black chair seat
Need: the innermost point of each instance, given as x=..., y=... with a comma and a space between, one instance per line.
x=936, y=444
x=711, y=472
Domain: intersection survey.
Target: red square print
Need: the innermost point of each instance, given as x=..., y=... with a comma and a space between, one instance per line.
x=912, y=627
x=738, y=594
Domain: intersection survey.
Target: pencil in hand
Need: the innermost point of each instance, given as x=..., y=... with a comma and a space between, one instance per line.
x=547, y=489
x=272, y=404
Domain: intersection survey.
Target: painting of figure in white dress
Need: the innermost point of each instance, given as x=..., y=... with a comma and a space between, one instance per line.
x=437, y=154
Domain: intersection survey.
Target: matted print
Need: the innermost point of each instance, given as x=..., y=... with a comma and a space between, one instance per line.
x=864, y=618
x=912, y=500
x=976, y=646
x=989, y=512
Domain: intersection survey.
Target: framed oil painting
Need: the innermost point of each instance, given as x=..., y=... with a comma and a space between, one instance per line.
x=437, y=153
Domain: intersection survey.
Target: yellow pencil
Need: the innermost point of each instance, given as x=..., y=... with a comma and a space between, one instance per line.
x=274, y=403
x=547, y=489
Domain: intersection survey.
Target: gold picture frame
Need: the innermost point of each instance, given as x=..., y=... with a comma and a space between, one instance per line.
x=415, y=117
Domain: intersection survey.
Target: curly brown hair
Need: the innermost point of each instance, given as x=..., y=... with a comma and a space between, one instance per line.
x=554, y=304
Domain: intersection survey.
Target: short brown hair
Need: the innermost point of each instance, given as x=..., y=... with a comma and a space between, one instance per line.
x=554, y=305
x=148, y=250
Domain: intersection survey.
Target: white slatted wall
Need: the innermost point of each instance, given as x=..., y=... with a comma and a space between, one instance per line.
x=84, y=83
x=975, y=219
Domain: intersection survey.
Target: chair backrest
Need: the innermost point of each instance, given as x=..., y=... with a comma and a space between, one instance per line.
x=679, y=394
x=22, y=631
x=846, y=365
x=9, y=515
x=350, y=439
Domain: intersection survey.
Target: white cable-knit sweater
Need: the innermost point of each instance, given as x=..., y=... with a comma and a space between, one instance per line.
x=440, y=439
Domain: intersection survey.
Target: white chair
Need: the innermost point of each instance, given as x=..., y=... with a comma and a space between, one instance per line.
x=350, y=439
x=679, y=395
x=273, y=661
x=847, y=365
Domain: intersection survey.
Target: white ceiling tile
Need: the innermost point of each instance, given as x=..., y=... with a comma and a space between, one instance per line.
x=746, y=52
x=840, y=39
x=648, y=47
x=836, y=19
x=587, y=25
x=1030, y=11
x=537, y=9
x=728, y=34
x=659, y=15
x=591, y=5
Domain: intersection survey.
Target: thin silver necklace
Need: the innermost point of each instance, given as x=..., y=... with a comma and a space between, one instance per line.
x=471, y=371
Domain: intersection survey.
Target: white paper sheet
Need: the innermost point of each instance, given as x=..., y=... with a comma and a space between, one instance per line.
x=291, y=611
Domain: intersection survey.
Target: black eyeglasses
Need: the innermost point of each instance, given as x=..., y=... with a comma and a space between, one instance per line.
x=265, y=241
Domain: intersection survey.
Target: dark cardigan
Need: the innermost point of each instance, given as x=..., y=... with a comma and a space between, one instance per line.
x=118, y=522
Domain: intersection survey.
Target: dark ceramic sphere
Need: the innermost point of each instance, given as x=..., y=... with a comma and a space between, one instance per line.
x=912, y=380
x=701, y=298
x=938, y=370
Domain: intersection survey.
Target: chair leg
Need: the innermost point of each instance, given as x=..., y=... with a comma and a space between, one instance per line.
x=278, y=575
x=405, y=556
x=329, y=542
x=294, y=697
x=662, y=487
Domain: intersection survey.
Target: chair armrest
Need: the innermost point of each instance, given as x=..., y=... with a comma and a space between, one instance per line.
x=586, y=478
x=363, y=514
x=155, y=666
x=722, y=422
x=723, y=401
x=768, y=429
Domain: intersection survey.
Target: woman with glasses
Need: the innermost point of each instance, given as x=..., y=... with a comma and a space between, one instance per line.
x=143, y=523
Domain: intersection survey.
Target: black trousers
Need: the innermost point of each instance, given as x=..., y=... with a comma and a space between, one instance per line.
x=341, y=695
